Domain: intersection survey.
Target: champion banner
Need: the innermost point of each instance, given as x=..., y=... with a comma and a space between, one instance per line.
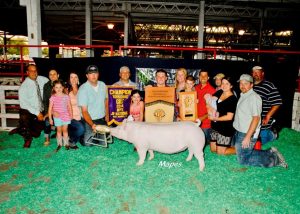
x=118, y=103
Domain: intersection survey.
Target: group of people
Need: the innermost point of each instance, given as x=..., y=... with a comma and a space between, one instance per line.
x=75, y=110
x=241, y=121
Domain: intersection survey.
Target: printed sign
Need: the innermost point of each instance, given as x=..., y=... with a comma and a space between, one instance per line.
x=118, y=103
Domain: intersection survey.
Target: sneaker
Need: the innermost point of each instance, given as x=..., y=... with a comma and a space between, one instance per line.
x=281, y=159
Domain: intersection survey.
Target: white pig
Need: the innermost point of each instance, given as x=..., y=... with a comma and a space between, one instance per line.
x=166, y=138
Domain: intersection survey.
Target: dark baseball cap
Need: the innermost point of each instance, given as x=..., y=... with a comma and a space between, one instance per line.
x=91, y=69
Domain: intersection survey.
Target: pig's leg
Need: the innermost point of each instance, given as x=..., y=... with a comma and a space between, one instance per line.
x=151, y=153
x=200, y=158
x=142, y=156
x=190, y=156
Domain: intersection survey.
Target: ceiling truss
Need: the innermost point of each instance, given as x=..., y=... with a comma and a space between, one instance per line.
x=65, y=19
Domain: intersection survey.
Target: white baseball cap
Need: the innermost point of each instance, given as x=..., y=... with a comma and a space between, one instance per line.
x=246, y=77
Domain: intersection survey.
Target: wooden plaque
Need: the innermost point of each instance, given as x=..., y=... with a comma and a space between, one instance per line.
x=188, y=105
x=159, y=104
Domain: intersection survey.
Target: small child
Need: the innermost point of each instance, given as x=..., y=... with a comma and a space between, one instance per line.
x=211, y=105
x=61, y=110
x=189, y=87
x=189, y=83
x=136, y=106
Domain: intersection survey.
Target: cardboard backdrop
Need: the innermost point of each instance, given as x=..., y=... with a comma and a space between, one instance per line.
x=283, y=73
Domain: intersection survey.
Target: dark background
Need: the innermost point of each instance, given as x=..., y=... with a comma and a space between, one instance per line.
x=283, y=73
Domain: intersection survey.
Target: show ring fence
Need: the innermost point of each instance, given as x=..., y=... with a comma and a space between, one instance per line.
x=8, y=103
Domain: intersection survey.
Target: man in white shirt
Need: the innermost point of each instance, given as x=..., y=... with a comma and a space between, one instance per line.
x=31, y=106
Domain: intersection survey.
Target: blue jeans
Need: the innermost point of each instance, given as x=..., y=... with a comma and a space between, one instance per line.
x=89, y=131
x=266, y=136
x=207, y=133
x=76, y=131
x=250, y=156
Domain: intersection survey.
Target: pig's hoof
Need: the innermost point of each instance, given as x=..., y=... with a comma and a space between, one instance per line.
x=139, y=164
x=150, y=158
x=189, y=157
x=201, y=168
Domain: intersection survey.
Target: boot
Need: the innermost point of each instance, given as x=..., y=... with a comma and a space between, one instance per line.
x=66, y=143
x=27, y=143
x=58, y=148
x=14, y=131
x=59, y=143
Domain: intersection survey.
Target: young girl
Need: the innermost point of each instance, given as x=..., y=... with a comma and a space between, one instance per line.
x=136, y=106
x=189, y=87
x=61, y=110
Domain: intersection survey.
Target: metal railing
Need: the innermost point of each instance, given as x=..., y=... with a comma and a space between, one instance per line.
x=17, y=67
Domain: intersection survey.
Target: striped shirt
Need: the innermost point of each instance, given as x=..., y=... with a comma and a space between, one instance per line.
x=60, y=105
x=270, y=97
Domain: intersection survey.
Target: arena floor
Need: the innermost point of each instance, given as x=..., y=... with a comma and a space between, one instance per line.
x=106, y=180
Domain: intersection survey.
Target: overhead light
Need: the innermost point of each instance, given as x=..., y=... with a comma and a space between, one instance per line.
x=241, y=32
x=110, y=26
x=284, y=33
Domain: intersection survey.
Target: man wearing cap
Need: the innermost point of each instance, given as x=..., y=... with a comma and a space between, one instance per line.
x=247, y=124
x=271, y=101
x=92, y=99
x=218, y=80
x=124, y=78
